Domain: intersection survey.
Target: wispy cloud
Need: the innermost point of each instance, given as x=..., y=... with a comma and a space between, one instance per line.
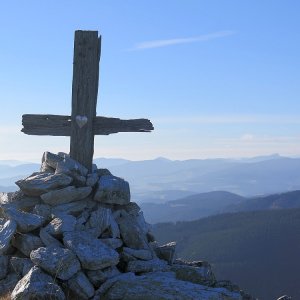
x=176, y=41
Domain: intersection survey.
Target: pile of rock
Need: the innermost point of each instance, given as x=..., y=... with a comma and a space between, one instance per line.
x=68, y=234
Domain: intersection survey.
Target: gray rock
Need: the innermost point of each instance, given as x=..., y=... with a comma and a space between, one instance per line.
x=18, y=200
x=132, y=234
x=26, y=222
x=101, y=220
x=132, y=208
x=139, y=254
x=45, y=168
x=167, y=252
x=21, y=266
x=73, y=208
x=81, y=220
x=112, y=190
x=140, y=266
x=92, y=179
x=102, y=172
x=284, y=297
x=140, y=220
x=48, y=239
x=3, y=266
x=200, y=275
x=37, y=285
x=7, y=284
x=26, y=242
x=99, y=294
x=112, y=242
x=92, y=253
x=6, y=234
x=98, y=277
x=81, y=286
x=60, y=262
x=71, y=165
x=66, y=195
x=43, y=210
x=164, y=286
x=61, y=224
x=40, y=183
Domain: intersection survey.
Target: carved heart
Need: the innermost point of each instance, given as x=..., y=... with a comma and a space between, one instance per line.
x=81, y=120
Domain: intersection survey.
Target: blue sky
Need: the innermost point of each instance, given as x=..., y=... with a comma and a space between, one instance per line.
x=217, y=78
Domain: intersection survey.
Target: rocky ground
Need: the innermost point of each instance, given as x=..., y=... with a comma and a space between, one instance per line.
x=71, y=234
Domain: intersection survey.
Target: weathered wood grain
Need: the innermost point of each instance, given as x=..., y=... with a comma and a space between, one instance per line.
x=61, y=125
x=84, y=94
x=87, y=48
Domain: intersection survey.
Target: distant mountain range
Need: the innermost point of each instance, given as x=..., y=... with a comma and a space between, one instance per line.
x=207, y=204
x=160, y=180
x=258, y=250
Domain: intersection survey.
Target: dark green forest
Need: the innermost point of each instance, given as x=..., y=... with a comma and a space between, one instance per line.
x=257, y=250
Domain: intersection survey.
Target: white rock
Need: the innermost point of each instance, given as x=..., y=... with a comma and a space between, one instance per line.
x=6, y=234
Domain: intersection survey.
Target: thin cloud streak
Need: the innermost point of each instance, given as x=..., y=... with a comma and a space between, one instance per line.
x=177, y=41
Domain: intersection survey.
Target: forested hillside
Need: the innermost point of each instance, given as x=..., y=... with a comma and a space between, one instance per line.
x=257, y=250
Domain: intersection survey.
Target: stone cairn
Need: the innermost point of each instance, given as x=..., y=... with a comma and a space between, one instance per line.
x=67, y=234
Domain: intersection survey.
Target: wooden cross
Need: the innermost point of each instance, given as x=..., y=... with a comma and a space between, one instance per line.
x=83, y=124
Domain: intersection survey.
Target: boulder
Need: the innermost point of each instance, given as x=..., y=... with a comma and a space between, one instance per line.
x=139, y=254
x=3, y=266
x=61, y=263
x=66, y=195
x=132, y=235
x=73, y=208
x=99, y=294
x=141, y=266
x=80, y=285
x=6, y=234
x=112, y=242
x=200, y=275
x=26, y=242
x=37, y=285
x=26, y=222
x=61, y=224
x=101, y=220
x=42, y=210
x=20, y=265
x=18, y=200
x=98, y=277
x=92, y=253
x=8, y=284
x=48, y=239
x=41, y=183
x=166, y=252
x=92, y=179
x=70, y=164
x=112, y=190
x=163, y=286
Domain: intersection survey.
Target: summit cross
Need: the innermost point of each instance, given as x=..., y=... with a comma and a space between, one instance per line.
x=84, y=123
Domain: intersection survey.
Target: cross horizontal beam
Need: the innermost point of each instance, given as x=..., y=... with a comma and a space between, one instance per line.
x=56, y=125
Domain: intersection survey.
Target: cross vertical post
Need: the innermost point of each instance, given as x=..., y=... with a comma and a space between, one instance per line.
x=87, y=47
x=83, y=124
